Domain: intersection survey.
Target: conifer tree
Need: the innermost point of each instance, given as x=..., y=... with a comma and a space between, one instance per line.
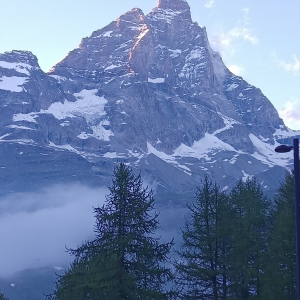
x=204, y=256
x=2, y=297
x=250, y=233
x=124, y=261
x=280, y=275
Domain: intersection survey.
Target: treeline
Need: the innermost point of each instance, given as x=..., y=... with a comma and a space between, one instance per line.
x=236, y=246
x=2, y=297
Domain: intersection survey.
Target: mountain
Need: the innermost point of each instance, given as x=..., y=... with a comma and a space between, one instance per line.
x=32, y=284
x=147, y=90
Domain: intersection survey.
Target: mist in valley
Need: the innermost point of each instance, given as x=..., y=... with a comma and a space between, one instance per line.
x=36, y=228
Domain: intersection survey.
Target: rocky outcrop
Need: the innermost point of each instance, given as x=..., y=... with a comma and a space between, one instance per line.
x=145, y=89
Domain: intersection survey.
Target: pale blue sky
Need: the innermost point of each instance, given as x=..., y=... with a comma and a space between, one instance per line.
x=258, y=40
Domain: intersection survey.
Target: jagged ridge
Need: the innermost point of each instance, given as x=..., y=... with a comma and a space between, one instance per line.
x=148, y=90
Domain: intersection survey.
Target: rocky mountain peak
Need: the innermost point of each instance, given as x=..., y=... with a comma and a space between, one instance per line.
x=171, y=22
x=173, y=4
x=148, y=90
x=171, y=10
x=135, y=15
x=23, y=57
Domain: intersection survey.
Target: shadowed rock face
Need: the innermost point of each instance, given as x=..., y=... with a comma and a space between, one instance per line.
x=147, y=90
x=176, y=5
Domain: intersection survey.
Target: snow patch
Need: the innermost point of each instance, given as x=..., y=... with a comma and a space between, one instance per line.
x=60, y=78
x=175, y=53
x=5, y=135
x=112, y=67
x=281, y=133
x=19, y=127
x=192, y=67
x=263, y=139
x=25, y=117
x=20, y=141
x=19, y=67
x=112, y=155
x=65, y=123
x=100, y=133
x=64, y=147
x=233, y=160
x=267, y=155
x=167, y=158
x=231, y=87
x=83, y=136
x=156, y=80
x=87, y=105
x=197, y=53
x=13, y=84
x=166, y=15
x=107, y=34
x=203, y=148
x=228, y=123
x=246, y=176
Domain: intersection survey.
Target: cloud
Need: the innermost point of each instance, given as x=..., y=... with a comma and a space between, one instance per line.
x=237, y=70
x=246, y=10
x=244, y=33
x=293, y=67
x=36, y=227
x=210, y=4
x=290, y=113
x=226, y=42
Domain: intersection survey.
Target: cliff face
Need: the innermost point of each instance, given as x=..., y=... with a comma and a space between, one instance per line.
x=148, y=90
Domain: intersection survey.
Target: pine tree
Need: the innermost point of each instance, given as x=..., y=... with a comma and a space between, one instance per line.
x=2, y=297
x=250, y=233
x=204, y=256
x=280, y=276
x=125, y=260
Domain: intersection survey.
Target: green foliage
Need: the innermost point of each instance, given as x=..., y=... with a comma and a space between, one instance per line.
x=280, y=276
x=205, y=253
x=236, y=247
x=224, y=241
x=251, y=225
x=2, y=297
x=124, y=261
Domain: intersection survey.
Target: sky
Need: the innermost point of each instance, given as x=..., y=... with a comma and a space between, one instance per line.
x=258, y=40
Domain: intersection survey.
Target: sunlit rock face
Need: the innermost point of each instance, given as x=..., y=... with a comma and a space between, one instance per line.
x=147, y=90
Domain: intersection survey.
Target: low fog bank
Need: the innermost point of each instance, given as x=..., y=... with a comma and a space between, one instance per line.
x=171, y=218
x=36, y=227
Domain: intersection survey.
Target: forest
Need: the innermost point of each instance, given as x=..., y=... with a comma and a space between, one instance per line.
x=237, y=245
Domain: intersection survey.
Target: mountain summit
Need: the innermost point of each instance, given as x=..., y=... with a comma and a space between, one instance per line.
x=147, y=90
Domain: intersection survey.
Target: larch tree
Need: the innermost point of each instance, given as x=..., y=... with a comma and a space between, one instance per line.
x=280, y=275
x=250, y=233
x=205, y=254
x=125, y=261
x=2, y=297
